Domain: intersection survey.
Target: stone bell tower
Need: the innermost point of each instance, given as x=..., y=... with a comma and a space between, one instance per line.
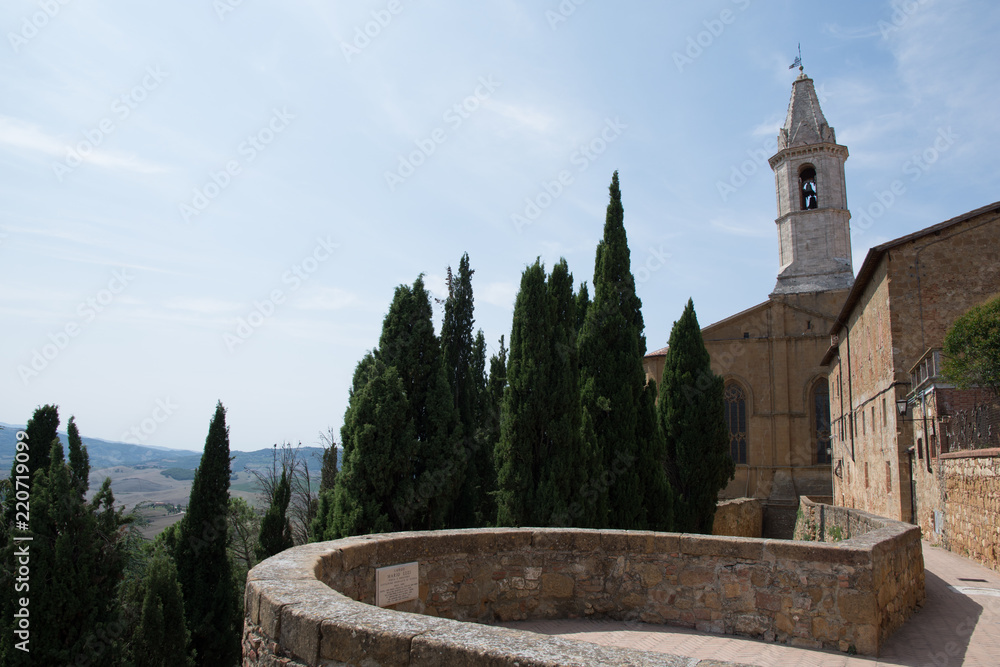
x=814, y=234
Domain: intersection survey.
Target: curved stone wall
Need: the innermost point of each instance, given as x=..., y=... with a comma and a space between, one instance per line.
x=314, y=604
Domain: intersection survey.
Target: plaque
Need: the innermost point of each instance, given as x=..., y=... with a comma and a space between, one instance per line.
x=397, y=583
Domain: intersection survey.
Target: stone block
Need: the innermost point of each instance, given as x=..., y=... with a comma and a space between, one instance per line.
x=557, y=586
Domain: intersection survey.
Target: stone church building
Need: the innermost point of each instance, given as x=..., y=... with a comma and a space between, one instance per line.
x=776, y=390
x=863, y=351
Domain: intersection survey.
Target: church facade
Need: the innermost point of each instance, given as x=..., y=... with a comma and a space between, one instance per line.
x=776, y=389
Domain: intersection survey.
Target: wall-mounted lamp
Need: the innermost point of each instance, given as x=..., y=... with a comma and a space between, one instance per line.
x=901, y=406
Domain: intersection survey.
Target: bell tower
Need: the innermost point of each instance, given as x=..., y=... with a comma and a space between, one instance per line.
x=814, y=233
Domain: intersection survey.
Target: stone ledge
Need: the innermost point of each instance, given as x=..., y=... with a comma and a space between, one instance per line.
x=971, y=454
x=313, y=604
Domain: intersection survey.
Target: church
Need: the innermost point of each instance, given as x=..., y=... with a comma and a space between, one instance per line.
x=769, y=355
x=870, y=339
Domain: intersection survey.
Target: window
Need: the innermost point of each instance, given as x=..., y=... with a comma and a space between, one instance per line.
x=809, y=199
x=920, y=448
x=736, y=419
x=888, y=477
x=862, y=421
x=873, y=419
x=866, y=474
x=821, y=420
x=885, y=413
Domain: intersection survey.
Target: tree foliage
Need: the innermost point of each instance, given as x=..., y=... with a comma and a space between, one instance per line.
x=275, y=530
x=157, y=634
x=540, y=458
x=972, y=347
x=203, y=566
x=612, y=347
x=691, y=416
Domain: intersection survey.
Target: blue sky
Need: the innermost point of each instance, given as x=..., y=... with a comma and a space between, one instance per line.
x=168, y=170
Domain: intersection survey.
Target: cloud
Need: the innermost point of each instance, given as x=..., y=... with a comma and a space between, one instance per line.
x=500, y=294
x=25, y=136
x=326, y=298
x=739, y=230
x=205, y=305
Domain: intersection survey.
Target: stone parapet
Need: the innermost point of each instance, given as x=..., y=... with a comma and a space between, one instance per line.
x=740, y=517
x=897, y=561
x=314, y=605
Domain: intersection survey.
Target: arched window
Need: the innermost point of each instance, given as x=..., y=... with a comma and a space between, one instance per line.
x=807, y=188
x=821, y=420
x=736, y=418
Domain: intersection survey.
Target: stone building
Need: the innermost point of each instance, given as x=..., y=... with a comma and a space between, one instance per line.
x=883, y=357
x=769, y=355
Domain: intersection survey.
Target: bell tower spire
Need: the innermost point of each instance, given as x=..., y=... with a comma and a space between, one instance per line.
x=814, y=234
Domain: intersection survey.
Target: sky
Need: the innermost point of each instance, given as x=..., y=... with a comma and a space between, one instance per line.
x=216, y=200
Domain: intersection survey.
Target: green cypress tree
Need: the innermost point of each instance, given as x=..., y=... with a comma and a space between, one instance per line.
x=612, y=347
x=373, y=486
x=457, y=343
x=658, y=500
x=42, y=432
x=79, y=461
x=692, y=419
x=275, y=531
x=564, y=469
x=521, y=447
x=203, y=566
x=408, y=344
x=76, y=557
x=158, y=635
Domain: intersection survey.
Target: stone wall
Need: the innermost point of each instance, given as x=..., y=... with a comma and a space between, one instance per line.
x=897, y=564
x=741, y=517
x=315, y=602
x=972, y=504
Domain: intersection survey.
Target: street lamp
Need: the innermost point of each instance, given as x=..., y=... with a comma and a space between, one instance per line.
x=901, y=407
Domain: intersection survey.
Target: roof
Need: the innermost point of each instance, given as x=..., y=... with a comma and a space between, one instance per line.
x=662, y=352
x=875, y=255
x=805, y=123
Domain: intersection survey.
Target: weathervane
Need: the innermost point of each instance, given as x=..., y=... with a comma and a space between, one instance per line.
x=798, y=60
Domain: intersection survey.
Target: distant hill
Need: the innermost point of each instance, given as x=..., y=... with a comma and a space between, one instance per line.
x=108, y=454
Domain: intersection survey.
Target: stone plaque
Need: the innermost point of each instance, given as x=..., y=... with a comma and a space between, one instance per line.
x=396, y=583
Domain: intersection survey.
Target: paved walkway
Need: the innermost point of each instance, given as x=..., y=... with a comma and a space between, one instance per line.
x=961, y=596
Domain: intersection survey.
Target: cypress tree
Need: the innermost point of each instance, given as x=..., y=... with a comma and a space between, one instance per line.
x=409, y=345
x=42, y=432
x=275, y=531
x=658, y=501
x=692, y=419
x=79, y=461
x=159, y=636
x=561, y=500
x=373, y=486
x=203, y=566
x=540, y=457
x=611, y=350
x=521, y=447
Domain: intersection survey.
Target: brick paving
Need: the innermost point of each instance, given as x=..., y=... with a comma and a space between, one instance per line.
x=959, y=624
